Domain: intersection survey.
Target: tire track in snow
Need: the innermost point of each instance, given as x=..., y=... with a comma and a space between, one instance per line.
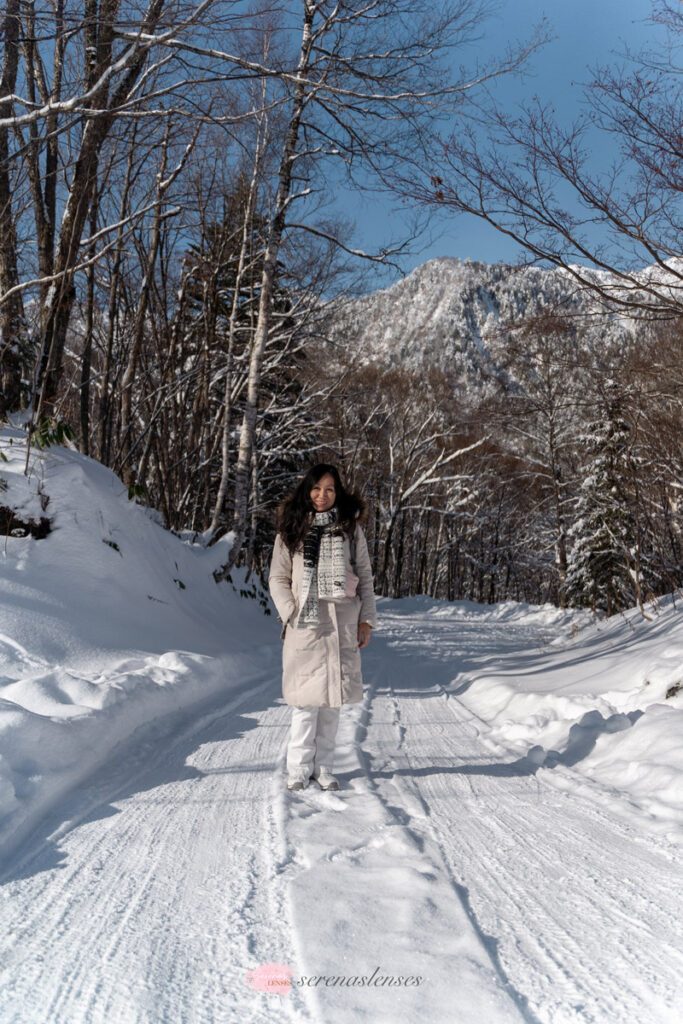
x=184, y=866
x=396, y=909
x=415, y=812
x=162, y=895
x=576, y=939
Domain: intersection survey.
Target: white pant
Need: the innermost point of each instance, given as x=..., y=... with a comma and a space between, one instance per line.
x=311, y=740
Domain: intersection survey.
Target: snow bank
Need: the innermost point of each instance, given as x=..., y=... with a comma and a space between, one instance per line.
x=606, y=700
x=107, y=623
x=110, y=623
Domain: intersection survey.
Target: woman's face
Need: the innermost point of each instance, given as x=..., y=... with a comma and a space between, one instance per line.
x=324, y=493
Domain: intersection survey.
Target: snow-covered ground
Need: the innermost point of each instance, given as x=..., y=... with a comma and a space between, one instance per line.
x=106, y=624
x=505, y=845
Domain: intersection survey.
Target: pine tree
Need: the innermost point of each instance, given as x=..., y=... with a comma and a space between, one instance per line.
x=604, y=565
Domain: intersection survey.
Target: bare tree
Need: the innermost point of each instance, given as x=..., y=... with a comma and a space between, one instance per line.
x=11, y=312
x=536, y=181
x=71, y=85
x=539, y=415
x=366, y=91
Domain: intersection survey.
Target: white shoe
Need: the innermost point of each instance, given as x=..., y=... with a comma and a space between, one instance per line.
x=326, y=779
x=297, y=782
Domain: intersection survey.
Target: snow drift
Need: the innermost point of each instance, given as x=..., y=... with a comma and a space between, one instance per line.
x=606, y=699
x=106, y=623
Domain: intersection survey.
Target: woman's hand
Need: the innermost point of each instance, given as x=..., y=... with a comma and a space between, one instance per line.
x=364, y=634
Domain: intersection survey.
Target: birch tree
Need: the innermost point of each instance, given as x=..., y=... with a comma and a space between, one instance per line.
x=367, y=89
x=11, y=312
x=73, y=80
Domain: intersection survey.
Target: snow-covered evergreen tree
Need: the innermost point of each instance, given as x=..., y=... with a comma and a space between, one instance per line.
x=604, y=565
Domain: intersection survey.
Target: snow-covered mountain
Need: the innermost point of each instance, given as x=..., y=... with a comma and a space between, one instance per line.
x=455, y=315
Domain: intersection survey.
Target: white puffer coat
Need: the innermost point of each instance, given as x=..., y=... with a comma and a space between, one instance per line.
x=321, y=665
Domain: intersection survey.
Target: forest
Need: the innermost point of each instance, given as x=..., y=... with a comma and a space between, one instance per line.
x=182, y=299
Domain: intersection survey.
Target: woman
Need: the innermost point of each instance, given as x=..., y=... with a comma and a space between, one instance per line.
x=321, y=583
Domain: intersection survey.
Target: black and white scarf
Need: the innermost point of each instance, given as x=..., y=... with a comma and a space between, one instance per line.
x=324, y=574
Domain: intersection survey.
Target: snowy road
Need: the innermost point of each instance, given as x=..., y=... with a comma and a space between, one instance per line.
x=512, y=894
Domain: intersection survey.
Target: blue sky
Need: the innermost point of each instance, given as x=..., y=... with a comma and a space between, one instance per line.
x=586, y=33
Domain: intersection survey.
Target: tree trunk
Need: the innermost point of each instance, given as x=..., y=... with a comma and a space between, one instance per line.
x=248, y=431
x=11, y=311
x=104, y=425
x=232, y=329
x=398, y=564
x=127, y=439
x=86, y=358
x=61, y=293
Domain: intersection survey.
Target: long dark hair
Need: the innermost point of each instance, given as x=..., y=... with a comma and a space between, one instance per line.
x=295, y=511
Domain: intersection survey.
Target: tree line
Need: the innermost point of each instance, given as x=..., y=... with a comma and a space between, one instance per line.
x=559, y=479
x=168, y=174
x=169, y=243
